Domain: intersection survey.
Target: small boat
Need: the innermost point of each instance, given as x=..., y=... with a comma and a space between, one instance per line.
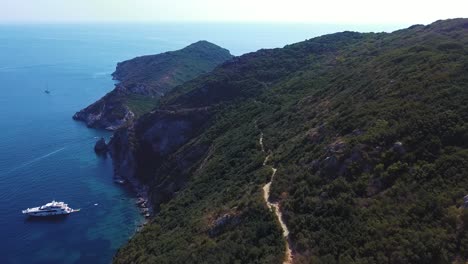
x=119, y=181
x=47, y=91
x=52, y=208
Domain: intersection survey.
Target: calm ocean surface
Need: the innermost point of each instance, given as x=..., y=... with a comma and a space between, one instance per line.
x=45, y=155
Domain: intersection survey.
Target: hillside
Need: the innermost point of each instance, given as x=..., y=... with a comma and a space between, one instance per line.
x=368, y=136
x=143, y=80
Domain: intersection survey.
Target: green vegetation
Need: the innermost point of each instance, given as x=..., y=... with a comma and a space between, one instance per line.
x=369, y=133
x=140, y=104
x=143, y=80
x=182, y=231
x=157, y=74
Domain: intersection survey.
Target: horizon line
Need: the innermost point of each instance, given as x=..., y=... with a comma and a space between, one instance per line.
x=103, y=22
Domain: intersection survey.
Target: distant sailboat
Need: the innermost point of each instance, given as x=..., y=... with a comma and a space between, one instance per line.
x=47, y=89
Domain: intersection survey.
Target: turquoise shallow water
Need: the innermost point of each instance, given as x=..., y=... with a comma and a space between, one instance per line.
x=45, y=155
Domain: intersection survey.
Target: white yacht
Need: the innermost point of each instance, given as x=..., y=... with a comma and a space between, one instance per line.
x=52, y=208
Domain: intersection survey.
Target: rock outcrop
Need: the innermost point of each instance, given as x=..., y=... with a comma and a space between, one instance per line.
x=101, y=147
x=109, y=112
x=148, y=147
x=223, y=222
x=143, y=80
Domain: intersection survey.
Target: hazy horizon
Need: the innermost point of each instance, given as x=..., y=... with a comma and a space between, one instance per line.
x=359, y=12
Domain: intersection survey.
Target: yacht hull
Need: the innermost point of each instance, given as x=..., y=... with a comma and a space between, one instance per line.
x=50, y=209
x=46, y=214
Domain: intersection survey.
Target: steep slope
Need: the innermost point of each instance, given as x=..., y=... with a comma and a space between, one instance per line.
x=143, y=80
x=368, y=134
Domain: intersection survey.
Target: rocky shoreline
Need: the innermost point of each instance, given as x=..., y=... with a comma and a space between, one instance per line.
x=142, y=195
x=109, y=112
x=142, y=80
x=141, y=191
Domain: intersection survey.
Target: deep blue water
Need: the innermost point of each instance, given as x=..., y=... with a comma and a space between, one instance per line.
x=45, y=155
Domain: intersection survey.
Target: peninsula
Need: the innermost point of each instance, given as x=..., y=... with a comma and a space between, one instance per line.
x=366, y=136
x=143, y=80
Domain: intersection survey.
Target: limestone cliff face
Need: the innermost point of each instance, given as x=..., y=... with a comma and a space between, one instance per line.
x=109, y=112
x=143, y=80
x=149, y=152
x=162, y=148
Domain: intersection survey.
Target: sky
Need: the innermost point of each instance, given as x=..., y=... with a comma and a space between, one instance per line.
x=289, y=11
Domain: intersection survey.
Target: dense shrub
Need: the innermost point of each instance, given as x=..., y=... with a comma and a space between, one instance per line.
x=369, y=135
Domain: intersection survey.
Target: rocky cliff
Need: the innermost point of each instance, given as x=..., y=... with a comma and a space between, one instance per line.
x=143, y=80
x=150, y=151
x=367, y=135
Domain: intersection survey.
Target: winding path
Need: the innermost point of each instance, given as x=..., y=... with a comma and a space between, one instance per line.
x=274, y=206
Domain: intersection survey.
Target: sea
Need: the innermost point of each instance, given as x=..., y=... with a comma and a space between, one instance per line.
x=45, y=155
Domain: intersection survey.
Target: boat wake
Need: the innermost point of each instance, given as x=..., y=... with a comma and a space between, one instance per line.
x=100, y=74
x=20, y=67
x=35, y=160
